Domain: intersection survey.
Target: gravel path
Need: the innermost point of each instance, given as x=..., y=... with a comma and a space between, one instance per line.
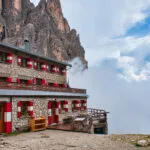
x=61, y=140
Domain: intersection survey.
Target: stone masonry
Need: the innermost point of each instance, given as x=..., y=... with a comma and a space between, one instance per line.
x=14, y=71
x=40, y=109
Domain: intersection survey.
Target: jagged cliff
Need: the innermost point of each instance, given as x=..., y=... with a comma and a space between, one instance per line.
x=43, y=26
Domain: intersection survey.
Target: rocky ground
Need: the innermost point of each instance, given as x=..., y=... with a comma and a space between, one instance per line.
x=60, y=140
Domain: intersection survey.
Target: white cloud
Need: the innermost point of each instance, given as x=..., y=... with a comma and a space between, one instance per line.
x=127, y=102
x=102, y=24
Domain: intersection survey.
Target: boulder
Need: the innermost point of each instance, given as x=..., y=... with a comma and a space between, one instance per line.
x=142, y=143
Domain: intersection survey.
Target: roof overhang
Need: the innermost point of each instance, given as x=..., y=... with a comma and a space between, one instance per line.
x=4, y=92
x=17, y=49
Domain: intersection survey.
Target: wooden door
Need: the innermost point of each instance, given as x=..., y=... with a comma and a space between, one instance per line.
x=1, y=117
x=53, y=112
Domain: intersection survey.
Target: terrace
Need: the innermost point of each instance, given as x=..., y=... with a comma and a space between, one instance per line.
x=15, y=86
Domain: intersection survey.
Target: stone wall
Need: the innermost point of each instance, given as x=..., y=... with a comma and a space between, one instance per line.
x=14, y=70
x=40, y=108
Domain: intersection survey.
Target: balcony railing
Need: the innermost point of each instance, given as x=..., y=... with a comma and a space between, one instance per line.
x=15, y=86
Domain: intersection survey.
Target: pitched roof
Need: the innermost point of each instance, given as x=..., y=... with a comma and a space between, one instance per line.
x=17, y=49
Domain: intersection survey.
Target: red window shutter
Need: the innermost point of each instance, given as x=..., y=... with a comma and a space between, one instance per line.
x=30, y=108
x=43, y=82
x=66, y=106
x=18, y=81
x=29, y=63
x=10, y=58
x=64, y=71
x=29, y=82
x=54, y=69
x=7, y=117
x=55, y=85
x=57, y=112
x=19, y=109
x=34, y=81
x=19, y=60
x=43, y=66
x=77, y=105
x=49, y=113
x=64, y=85
x=9, y=80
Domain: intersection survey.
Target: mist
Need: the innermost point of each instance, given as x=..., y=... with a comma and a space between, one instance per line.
x=127, y=102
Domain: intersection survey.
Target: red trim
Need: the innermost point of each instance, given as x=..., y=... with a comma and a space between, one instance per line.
x=29, y=63
x=9, y=79
x=50, y=115
x=9, y=58
x=29, y=82
x=43, y=66
x=64, y=85
x=77, y=102
x=8, y=107
x=34, y=81
x=19, y=60
x=55, y=85
x=43, y=82
x=49, y=105
x=64, y=71
x=29, y=105
x=18, y=81
x=54, y=69
x=7, y=125
x=57, y=115
x=66, y=103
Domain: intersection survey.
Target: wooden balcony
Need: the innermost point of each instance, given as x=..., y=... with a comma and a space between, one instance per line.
x=15, y=86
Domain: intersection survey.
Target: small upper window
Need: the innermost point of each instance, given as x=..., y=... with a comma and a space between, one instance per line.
x=38, y=81
x=38, y=66
x=24, y=62
x=2, y=79
x=3, y=57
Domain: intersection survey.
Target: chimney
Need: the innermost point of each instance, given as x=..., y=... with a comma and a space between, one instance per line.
x=27, y=45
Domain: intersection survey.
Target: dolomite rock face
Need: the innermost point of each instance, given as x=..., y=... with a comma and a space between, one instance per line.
x=44, y=26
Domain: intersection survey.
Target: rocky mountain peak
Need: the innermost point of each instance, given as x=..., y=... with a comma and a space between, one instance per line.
x=44, y=26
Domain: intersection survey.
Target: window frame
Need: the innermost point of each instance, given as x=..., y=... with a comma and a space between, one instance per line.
x=3, y=57
x=24, y=111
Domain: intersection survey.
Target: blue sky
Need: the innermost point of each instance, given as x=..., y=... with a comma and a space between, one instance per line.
x=115, y=35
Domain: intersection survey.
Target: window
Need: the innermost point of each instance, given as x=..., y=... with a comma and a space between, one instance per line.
x=50, y=84
x=2, y=79
x=38, y=81
x=23, y=81
x=49, y=68
x=38, y=66
x=24, y=108
x=24, y=62
x=3, y=57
